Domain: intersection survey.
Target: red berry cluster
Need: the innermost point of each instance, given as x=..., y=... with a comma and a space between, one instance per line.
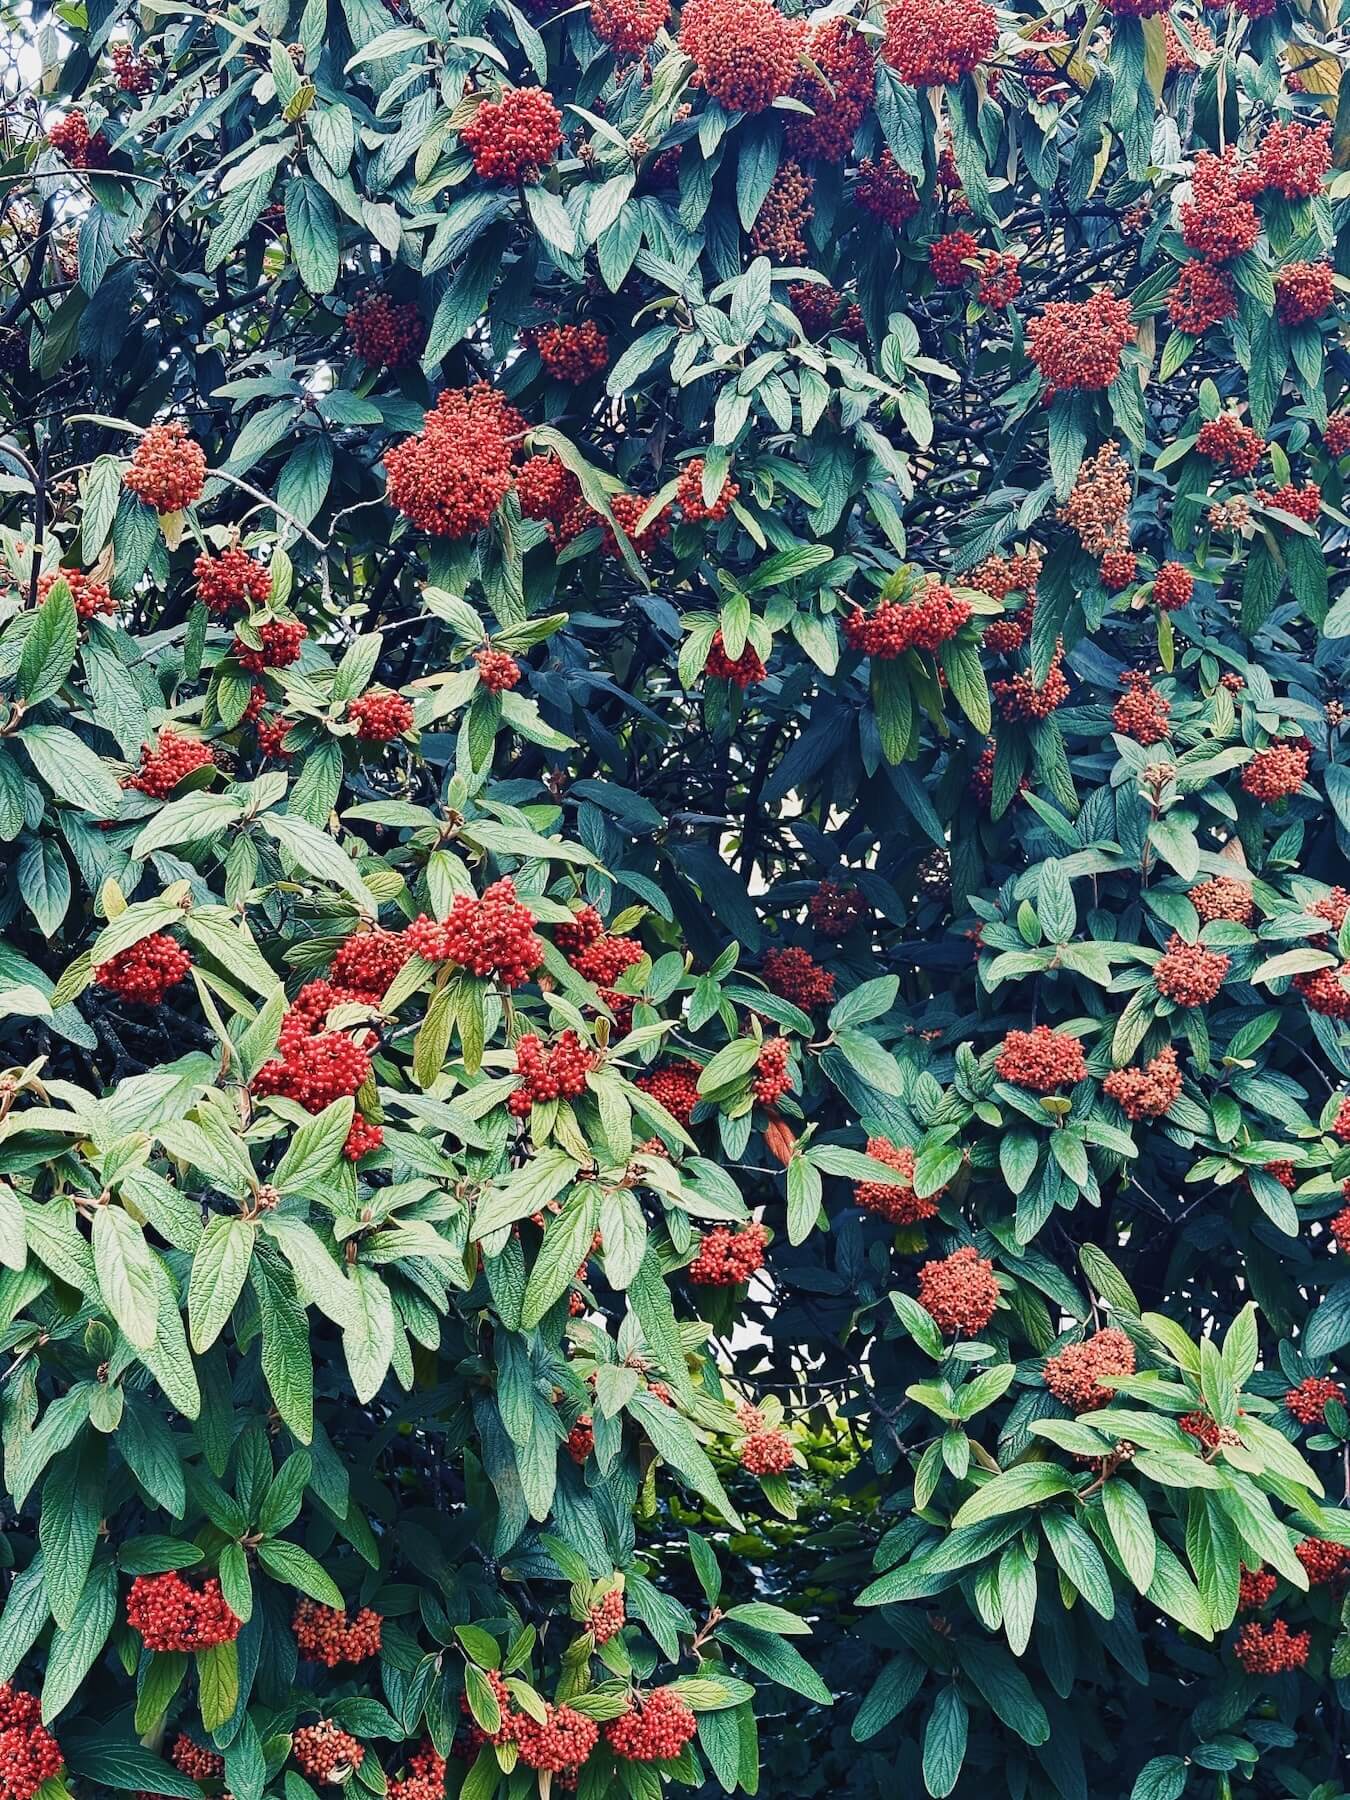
x=1149, y=1092
x=426, y=1780
x=91, y=597
x=1276, y=772
x=947, y=258
x=1041, y=1059
x=766, y=1452
x=1188, y=973
x=168, y=468
x=959, y=1291
x=1255, y=1587
x=1020, y=698
x=1308, y=1402
x=449, y=478
x=81, y=148
x=549, y=1071
x=1228, y=442
x=1294, y=159
x=228, y=582
x=894, y=1201
x=930, y=43
x=164, y=766
x=886, y=191
x=362, y=1137
x=282, y=641
x=627, y=510
x=1173, y=586
x=1339, y=1227
x=146, y=971
x=562, y=1741
x=1209, y=1432
x=629, y=27
x=1336, y=435
x=654, y=1729
x=315, y=1066
x=29, y=1754
x=171, y=1614
x=1074, y=1374
x=573, y=353
x=1136, y=9
x=195, y=1760
x=1219, y=222
x=497, y=671
x=1118, y=569
x=605, y=959
x=772, y=1080
x=1273, y=1651
x=325, y=1635
x=368, y=961
x=325, y=1752
x=929, y=621
x=1141, y=711
x=689, y=496
x=675, y=1085
x=779, y=230
x=998, y=279
x=1303, y=502
x=549, y=492
x=1324, y=991
x=1179, y=58
x=743, y=671
x=835, y=910
x=492, y=936
x=840, y=102
x=821, y=308
x=606, y=1617
x=581, y=1440
x=380, y=716
x=1203, y=296
x=1224, y=897
x=727, y=1257
x=1077, y=344
x=132, y=74
x=505, y=1706
x=385, y=333
x=794, y=974
x=514, y=137
x=744, y=51
x=1304, y=291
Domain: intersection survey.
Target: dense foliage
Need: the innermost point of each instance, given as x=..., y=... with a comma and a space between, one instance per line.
x=675, y=795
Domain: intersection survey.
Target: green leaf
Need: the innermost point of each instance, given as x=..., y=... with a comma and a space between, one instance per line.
x=73, y=1649
x=126, y=1274
x=944, y=1742
x=1081, y=1561
x=49, y=648
x=298, y=1569
x=219, y=1270
x=311, y=226
x=218, y=1683
x=1026, y=1485
x=1131, y=1531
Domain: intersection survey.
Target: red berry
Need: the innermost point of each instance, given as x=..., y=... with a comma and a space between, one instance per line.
x=146, y=971
x=168, y=468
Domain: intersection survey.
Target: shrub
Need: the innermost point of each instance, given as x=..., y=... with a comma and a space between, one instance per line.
x=673, y=766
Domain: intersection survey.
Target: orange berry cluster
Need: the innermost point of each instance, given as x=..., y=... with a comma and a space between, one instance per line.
x=1276, y=772
x=1308, y=1402
x=894, y=1201
x=496, y=670
x=561, y=1742
x=930, y=43
x=794, y=974
x=606, y=1617
x=1228, y=442
x=744, y=51
x=514, y=137
x=675, y=1085
x=1324, y=991
x=839, y=103
x=573, y=353
x=449, y=478
x=282, y=641
x=1118, y=569
x=1179, y=58
x=629, y=27
x=380, y=716
x=171, y=1614
x=492, y=936
x=145, y=971
x=168, y=468
x=91, y=597
x=1294, y=159
x=1189, y=974
x=1020, y=698
x=167, y=763
x=766, y=1452
x=1141, y=711
x=835, y=910
x=1271, y=1651
x=886, y=191
x=81, y=148
x=1074, y=1374
x=1173, y=586
x=426, y=1777
x=325, y=1752
x=1077, y=345
x=1220, y=222
x=29, y=1754
x=656, y=1727
x=1149, y=1092
x=231, y=580
x=627, y=510
x=689, y=496
x=1304, y=291
x=1203, y=296
x=385, y=333
x=959, y=1291
x=549, y=1071
x=325, y=1635
x=742, y=671
x=1041, y=1059
x=726, y=1258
